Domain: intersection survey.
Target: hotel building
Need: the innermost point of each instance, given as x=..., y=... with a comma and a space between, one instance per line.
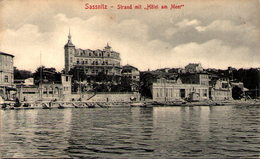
x=92, y=62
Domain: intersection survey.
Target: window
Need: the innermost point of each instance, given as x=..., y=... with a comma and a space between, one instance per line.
x=161, y=90
x=29, y=92
x=6, y=79
x=224, y=85
x=182, y=93
x=67, y=78
x=157, y=92
x=204, y=92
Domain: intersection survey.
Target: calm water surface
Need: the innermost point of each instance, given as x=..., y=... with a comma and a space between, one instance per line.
x=225, y=131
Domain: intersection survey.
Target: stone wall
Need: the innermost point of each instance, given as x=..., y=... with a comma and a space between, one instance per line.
x=104, y=97
x=85, y=97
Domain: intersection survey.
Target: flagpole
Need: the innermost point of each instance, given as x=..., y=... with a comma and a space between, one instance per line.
x=41, y=76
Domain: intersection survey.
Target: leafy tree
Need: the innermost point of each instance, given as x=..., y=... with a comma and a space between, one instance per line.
x=46, y=75
x=22, y=74
x=237, y=93
x=146, y=80
x=250, y=78
x=99, y=83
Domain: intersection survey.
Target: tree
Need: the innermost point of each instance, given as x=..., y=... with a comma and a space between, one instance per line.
x=146, y=80
x=46, y=75
x=22, y=74
x=250, y=78
x=237, y=92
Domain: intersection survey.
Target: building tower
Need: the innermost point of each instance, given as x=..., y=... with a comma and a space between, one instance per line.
x=107, y=48
x=69, y=50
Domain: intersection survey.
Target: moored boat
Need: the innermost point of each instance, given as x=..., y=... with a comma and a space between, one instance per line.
x=60, y=106
x=138, y=104
x=91, y=105
x=45, y=106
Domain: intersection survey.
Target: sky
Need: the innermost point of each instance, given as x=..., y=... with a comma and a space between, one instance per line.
x=215, y=33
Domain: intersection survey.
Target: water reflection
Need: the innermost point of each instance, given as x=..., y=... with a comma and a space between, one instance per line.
x=131, y=132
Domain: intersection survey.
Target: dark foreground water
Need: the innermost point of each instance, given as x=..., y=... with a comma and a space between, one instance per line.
x=225, y=131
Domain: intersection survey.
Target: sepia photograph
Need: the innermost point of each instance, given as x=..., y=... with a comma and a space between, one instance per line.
x=129, y=79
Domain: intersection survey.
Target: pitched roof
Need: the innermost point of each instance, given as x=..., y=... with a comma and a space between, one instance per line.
x=129, y=67
x=3, y=53
x=193, y=65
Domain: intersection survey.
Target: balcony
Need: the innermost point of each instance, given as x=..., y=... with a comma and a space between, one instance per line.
x=97, y=65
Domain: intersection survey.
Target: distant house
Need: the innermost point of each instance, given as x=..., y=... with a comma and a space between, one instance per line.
x=163, y=70
x=133, y=74
x=238, y=84
x=28, y=81
x=220, y=90
x=6, y=76
x=195, y=78
x=170, y=90
x=193, y=68
x=27, y=91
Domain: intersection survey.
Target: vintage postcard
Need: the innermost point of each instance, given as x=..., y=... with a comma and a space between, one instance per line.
x=129, y=78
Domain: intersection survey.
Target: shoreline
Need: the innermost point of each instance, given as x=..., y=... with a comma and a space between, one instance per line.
x=150, y=104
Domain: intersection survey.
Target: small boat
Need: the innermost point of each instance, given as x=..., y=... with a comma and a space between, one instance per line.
x=4, y=105
x=11, y=107
x=60, y=106
x=75, y=105
x=91, y=105
x=45, y=106
x=157, y=103
x=102, y=105
x=138, y=105
x=219, y=104
x=173, y=104
x=26, y=105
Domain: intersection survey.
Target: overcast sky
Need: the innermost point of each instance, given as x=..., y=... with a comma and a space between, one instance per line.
x=215, y=33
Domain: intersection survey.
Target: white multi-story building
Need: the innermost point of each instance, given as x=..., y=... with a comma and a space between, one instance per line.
x=92, y=61
x=170, y=90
